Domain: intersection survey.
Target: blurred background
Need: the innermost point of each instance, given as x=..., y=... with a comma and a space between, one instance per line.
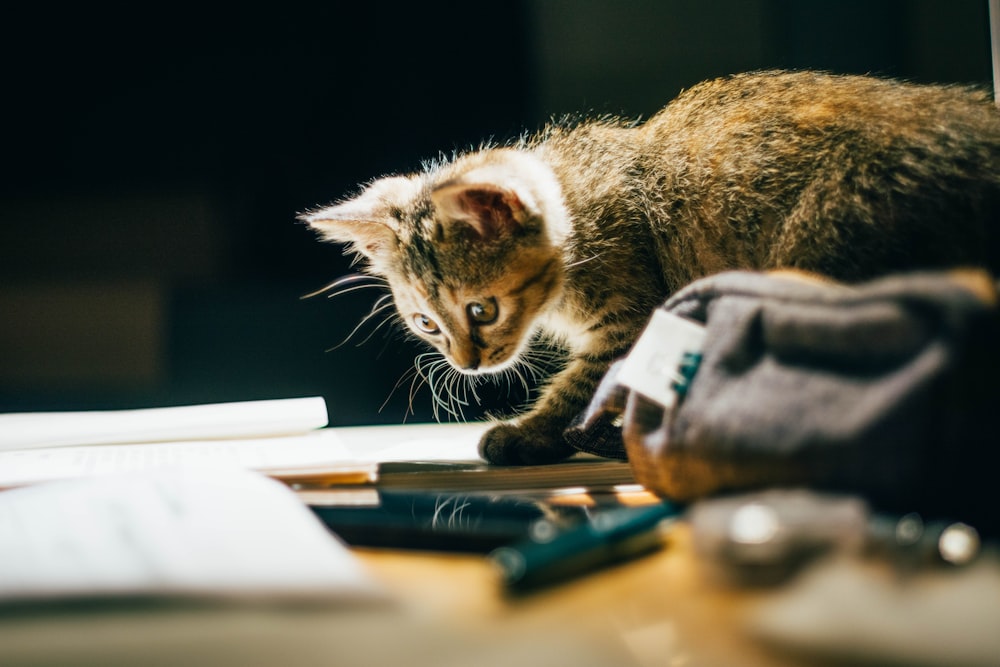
x=155, y=157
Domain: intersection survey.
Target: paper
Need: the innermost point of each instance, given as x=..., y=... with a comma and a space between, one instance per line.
x=347, y=455
x=174, y=531
x=458, y=442
x=246, y=419
x=321, y=450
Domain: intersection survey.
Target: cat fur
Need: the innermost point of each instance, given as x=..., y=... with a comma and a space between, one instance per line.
x=579, y=231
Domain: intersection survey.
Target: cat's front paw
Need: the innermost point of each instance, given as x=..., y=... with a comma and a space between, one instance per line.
x=521, y=444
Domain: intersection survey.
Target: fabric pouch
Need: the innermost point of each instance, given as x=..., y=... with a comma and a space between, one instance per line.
x=887, y=389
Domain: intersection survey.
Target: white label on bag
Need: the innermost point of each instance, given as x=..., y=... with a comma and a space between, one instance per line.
x=664, y=358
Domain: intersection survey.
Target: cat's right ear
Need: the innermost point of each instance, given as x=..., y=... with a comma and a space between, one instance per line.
x=366, y=222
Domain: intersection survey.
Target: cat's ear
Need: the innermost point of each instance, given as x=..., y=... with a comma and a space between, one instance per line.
x=347, y=223
x=366, y=222
x=490, y=209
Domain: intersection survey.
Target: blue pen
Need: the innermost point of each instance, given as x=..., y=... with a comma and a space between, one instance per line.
x=552, y=554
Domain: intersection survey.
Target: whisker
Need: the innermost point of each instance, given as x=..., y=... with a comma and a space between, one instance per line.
x=460, y=383
x=505, y=379
x=464, y=382
x=448, y=402
x=431, y=371
x=379, y=302
x=456, y=383
x=535, y=369
x=402, y=378
x=582, y=261
x=414, y=384
x=454, y=394
x=348, y=290
x=460, y=387
x=349, y=279
x=375, y=311
x=520, y=376
x=378, y=326
x=471, y=384
x=454, y=407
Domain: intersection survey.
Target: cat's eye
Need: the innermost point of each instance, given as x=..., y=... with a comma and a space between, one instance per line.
x=426, y=324
x=483, y=312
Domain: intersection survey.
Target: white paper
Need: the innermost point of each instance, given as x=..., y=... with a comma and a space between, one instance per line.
x=317, y=450
x=174, y=531
x=326, y=450
x=245, y=419
x=413, y=442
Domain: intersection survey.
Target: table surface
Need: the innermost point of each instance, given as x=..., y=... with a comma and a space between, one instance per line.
x=447, y=609
x=665, y=608
x=662, y=608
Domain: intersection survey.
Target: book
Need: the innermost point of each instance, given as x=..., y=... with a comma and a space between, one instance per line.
x=428, y=456
x=583, y=470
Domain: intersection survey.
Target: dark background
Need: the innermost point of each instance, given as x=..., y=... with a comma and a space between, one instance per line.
x=155, y=158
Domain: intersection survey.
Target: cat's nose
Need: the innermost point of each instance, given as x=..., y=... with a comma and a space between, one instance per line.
x=467, y=360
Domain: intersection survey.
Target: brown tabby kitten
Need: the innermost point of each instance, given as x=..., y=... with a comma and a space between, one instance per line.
x=580, y=231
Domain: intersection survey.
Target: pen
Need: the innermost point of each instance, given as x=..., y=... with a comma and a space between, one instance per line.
x=551, y=554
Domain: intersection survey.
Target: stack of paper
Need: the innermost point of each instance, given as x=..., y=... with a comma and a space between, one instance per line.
x=281, y=438
x=278, y=437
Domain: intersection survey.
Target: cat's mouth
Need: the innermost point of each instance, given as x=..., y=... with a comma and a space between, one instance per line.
x=483, y=369
x=492, y=358
x=490, y=364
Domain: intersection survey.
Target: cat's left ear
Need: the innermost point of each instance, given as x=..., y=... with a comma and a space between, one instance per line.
x=490, y=209
x=366, y=222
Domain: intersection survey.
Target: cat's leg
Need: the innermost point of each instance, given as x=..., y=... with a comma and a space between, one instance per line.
x=537, y=437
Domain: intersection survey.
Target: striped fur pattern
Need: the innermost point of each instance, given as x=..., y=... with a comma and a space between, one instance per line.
x=578, y=232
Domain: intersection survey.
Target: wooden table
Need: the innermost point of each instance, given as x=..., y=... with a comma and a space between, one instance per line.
x=666, y=608
x=671, y=608
x=449, y=610
x=660, y=609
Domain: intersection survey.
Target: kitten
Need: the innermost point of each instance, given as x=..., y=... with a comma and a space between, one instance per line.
x=580, y=231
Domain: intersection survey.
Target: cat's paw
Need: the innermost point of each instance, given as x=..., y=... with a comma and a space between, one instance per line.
x=520, y=444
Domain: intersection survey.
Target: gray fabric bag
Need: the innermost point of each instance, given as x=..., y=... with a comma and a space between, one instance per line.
x=886, y=389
